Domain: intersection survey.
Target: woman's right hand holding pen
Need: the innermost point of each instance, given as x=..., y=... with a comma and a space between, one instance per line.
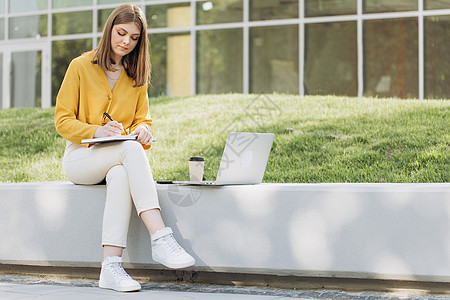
x=111, y=128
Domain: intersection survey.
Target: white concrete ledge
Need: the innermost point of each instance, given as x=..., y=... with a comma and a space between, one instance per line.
x=385, y=231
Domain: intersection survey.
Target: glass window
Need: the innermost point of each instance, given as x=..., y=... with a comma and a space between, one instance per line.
x=73, y=22
x=26, y=70
x=62, y=54
x=274, y=59
x=2, y=29
x=315, y=8
x=102, y=17
x=391, y=58
x=70, y=3
x=436, y=4
x=171, y=64
x=27, y=5
x=378, y=6
x=437, y=60
x=2, y=6
x=273, y=9
x=114, y=1
x=219, y=61
x=28, y=27
x=331, y=59
x=219, y=11
x=1, y=79
x=169, y=15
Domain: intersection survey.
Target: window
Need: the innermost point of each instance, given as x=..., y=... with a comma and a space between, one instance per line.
x=219, y=11
x=26, y=70
x=62, y=54
x=16, y=6
x=114, y=1
x=169, y=15
x=219, y=61
x=331, y=59
x=391, y=58
x=2, y=29
x=316, y=8
x=70, y=3
x=71, y=23
x=274, y=59
x=171, y=64
x=378, y=6
x=437, y=58
x=436, y=4
x=103, y=15
x=28, y=27
x=273, y=9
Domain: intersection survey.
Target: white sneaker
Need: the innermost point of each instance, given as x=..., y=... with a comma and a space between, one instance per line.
x=168, y=252
x=114, y=277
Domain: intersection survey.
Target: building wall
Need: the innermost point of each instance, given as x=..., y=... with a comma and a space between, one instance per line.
x=308, y=47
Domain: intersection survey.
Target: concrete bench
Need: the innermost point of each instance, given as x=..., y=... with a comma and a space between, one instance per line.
x=365, y=231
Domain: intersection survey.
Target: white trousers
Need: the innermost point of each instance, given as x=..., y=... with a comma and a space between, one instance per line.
x=129, y=180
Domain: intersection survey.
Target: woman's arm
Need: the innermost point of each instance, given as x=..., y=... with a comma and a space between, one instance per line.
x=142, y=121
x=66, y=110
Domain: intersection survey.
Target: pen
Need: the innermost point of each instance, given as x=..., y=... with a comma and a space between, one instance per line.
x=107, y=115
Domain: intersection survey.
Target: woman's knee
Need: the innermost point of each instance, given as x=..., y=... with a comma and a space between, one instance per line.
x=134, y=150
x=118, y=173
x=132, y=147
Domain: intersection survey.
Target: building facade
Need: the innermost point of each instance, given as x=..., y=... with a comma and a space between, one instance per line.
x=358, y=48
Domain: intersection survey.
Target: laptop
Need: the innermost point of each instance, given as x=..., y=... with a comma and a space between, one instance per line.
x=244, y=160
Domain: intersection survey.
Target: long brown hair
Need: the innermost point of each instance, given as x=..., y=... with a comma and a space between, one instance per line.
x=137, y=62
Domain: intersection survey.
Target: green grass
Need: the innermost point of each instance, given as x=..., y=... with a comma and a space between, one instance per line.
x=317, y=138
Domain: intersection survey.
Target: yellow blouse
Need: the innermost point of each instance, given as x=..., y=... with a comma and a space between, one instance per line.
x=85, y=94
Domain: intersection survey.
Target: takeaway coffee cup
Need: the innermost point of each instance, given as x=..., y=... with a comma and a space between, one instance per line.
x=196, y=166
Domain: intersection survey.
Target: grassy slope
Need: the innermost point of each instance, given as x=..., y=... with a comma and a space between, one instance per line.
x=318, y=139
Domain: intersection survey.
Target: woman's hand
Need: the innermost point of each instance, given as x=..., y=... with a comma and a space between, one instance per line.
x=111, y=128
x=144, y=135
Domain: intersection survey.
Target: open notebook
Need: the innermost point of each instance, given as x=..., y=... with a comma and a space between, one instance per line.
x=109, y=139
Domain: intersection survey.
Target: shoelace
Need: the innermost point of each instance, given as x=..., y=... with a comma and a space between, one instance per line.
x=118, y=270
x=172, y=245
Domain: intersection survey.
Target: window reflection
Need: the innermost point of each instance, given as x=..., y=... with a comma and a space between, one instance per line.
x=103, y=15
x=171, y=64
x=219, y=11
x=273, y=9
x=274, y=59
x=331, y=59
x=219, y=61
x=16, y=6
x=62, y=54
x=391, y=58
x=71, y=23
x=437, y=57
x=26, y=68
x=70, y=3
x=316, y=8
x=169, y=15
x=1, y=78
x=2, y=29
x=378, y=6
x=28, y=27
x=436, y=4
x=114, y=1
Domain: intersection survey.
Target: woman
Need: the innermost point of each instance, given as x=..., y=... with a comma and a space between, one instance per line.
x=113, y=78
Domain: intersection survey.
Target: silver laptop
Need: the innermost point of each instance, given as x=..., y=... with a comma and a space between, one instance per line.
x=244, y=159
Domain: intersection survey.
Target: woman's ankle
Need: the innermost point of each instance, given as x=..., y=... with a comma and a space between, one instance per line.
x=109, y=250
x=152, y=220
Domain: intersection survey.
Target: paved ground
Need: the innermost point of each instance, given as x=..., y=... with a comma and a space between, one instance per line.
x=20, y=287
